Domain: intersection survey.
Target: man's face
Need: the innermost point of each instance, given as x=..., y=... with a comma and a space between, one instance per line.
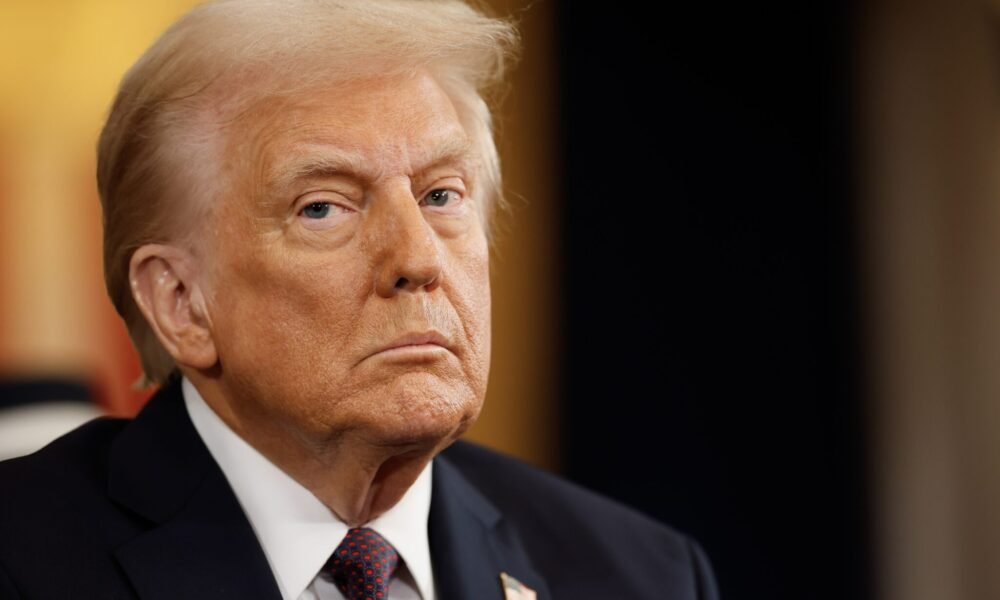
x=349, y=279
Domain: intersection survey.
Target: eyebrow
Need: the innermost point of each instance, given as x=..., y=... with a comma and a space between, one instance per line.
x=454, y=150
x=326, y=162
x=317, y=164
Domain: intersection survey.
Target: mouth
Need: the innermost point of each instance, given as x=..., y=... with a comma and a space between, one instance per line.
x=415, y=346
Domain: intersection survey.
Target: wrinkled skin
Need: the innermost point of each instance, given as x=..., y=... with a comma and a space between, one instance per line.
x=334, y=236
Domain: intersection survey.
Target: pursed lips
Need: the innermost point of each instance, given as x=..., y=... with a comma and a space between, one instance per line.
x=416, y=340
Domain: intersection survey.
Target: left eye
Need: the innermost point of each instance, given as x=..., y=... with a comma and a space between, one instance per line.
x=439, y=197
x=316, y=210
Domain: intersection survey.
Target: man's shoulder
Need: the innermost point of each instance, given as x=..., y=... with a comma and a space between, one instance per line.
x=512, y=483
x=53, y=477
x=55, y=510
x=81, y=452
x=558, y=518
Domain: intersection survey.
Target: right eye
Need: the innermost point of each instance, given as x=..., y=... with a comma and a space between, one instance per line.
x=321, y=212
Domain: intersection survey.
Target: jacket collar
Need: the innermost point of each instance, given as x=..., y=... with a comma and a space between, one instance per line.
x=471, y=543
x=161, y=471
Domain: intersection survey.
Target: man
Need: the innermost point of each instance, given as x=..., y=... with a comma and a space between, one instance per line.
x=296, y=203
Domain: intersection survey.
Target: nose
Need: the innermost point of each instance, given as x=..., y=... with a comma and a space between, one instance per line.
x=408, y=256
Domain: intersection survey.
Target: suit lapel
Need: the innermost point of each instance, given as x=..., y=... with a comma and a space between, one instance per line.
x=200, y=543
x=470, y=542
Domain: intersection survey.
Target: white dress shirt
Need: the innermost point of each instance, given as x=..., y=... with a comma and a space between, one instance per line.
x=298, y=532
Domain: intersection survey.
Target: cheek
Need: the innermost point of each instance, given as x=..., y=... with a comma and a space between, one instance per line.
x=471, y=298
x=285, y=315
x=286, y=330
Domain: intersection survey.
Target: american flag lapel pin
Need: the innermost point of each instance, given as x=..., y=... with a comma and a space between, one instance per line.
x=515, y=590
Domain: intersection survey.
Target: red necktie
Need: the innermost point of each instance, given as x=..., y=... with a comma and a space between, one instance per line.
x=362, y=565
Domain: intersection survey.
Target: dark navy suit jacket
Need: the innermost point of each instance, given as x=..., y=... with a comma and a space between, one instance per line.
x=139, y=509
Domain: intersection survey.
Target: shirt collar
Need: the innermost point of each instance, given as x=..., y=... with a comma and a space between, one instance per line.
x=297, y=532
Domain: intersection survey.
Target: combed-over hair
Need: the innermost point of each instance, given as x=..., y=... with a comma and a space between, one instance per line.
x=224, y=57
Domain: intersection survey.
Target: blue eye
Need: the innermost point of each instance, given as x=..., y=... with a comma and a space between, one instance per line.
x=438, y=197
x=317, y=210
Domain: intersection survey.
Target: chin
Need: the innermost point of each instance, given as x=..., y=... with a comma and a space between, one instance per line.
x=427, y=415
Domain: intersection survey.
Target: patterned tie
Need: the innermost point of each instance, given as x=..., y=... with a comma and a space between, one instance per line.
x=362, y=565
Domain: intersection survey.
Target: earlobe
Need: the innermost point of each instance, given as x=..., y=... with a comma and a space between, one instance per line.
x=167, y=292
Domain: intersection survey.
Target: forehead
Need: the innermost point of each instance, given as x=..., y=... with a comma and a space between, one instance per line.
x=376, y=126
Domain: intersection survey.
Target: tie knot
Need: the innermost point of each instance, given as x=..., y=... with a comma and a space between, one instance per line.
x=363, y=564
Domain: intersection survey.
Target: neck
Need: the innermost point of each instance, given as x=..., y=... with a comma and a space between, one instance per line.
x=356, y=477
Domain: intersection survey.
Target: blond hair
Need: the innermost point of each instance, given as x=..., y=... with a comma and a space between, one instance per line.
x=224, y=56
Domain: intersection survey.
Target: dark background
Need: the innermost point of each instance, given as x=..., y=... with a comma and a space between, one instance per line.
x=712, y=367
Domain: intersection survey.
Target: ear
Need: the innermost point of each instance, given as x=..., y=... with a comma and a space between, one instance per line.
x=166, y=289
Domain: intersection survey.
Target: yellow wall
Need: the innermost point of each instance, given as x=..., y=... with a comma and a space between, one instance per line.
x=60, y=61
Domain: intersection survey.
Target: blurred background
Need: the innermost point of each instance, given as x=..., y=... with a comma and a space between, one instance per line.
x=749, y=282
